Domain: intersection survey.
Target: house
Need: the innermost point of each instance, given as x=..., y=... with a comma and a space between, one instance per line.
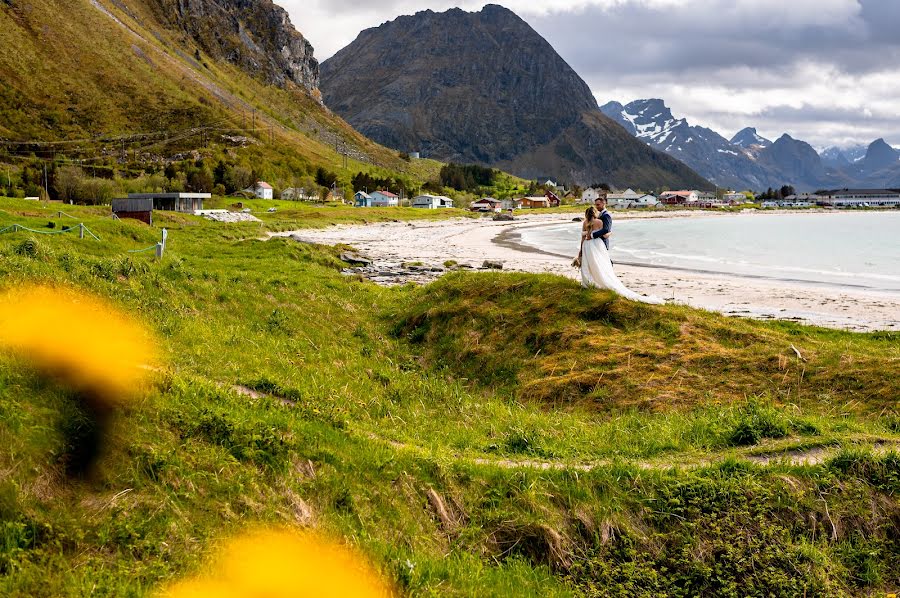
x=362, y=199
x=591, y=195
x=384, y=199
x=432, y=202
x=486, y=204
x=679, y=198
x=263, y=190
x=733, y=197
x=299, y=194
x=631, y=199
x=511, y=204
x=535, y=202
x=140, y=206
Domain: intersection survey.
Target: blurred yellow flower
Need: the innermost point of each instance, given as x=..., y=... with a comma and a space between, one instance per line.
x=276, y=564
x=85, y=341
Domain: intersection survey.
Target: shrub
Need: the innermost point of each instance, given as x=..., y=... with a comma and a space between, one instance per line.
x=756, y=422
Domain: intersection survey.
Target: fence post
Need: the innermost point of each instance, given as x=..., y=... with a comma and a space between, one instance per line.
x=159, y=250
x=81, y=230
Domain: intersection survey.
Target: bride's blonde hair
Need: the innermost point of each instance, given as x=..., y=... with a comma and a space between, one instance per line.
x=591, y=213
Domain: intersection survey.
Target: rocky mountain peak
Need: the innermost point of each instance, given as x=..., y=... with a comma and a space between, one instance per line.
x=880, y=155
x=485, y=87
x=749, y=137
x=255, y=35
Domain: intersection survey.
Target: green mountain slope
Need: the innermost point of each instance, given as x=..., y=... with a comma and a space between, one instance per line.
x=125, y=85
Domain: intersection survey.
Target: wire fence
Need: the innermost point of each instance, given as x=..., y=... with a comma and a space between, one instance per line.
x=159, y=248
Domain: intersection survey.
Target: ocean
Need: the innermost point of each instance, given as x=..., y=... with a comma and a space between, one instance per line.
x=848, y=249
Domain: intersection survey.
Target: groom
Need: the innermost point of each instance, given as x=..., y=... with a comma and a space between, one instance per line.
x=606, y=217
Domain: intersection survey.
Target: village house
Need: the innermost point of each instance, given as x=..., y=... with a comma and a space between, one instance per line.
x=486, y=204
x=361, y=199
x=432, y=202
x=511, y=204
x=299, y=194
x=591, y=195
x=734, y=197
x=384, y=199
x=631, y=199
x=679, y=198
x=535, y=202
x=262, y=190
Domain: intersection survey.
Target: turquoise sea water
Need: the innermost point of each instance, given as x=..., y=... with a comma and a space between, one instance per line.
x=855, y=249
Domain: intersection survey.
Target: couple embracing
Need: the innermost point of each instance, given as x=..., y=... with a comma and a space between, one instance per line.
x=593, y=259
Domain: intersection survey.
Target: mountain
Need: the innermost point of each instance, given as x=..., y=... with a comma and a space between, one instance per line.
x=748, y=138
x=127, y=87
x=485, y=87
x=750, y=161
x=795, y=162
x=879, y=156
x=834, y=157
x=704, y=150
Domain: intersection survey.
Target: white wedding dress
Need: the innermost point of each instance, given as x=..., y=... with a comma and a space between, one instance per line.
x=597, y=272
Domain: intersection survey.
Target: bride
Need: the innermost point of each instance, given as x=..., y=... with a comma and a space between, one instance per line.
x=596, y=266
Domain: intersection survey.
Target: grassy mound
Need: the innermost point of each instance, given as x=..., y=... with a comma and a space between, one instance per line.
x=543, y=338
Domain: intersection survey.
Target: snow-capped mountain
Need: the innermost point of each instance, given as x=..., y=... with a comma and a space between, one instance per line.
x=704, y=150
x=749, y=138
x=750, y=161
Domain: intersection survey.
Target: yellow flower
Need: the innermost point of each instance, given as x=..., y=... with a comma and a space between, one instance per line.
x=276, y=564
x=84, y=341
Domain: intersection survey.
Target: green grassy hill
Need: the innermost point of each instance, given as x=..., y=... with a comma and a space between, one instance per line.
x=489, y=435
x=116, y=91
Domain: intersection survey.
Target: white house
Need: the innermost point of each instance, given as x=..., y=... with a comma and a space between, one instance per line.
x=299, y=194
x=591, y=195
x=432, y=202
x=631, y=199
x=361, y=199
x=263, y=190
x=734, y=197
x=384, y=199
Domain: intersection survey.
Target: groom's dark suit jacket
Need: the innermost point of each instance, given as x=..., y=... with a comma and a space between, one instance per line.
x=606, y=217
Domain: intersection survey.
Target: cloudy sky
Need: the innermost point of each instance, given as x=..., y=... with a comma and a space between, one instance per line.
x=825, y=71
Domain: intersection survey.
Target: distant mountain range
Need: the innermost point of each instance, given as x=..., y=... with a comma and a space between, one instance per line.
x=750, y=161
x=485, y=87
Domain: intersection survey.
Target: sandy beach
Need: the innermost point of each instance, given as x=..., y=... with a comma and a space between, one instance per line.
x=473, y=241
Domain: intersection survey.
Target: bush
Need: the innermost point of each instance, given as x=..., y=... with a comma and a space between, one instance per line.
x=756, y=422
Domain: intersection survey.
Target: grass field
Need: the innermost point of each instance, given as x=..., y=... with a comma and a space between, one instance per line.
x=487, y=435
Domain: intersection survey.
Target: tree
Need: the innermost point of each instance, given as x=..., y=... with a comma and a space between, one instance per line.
x=787, y=191
x=171, y=171
x=68, y=183
x=199, y=180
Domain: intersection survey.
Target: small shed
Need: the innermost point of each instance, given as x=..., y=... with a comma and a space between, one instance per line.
x=136, y=209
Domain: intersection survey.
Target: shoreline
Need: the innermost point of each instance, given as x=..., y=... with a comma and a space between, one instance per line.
x=474, y=241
